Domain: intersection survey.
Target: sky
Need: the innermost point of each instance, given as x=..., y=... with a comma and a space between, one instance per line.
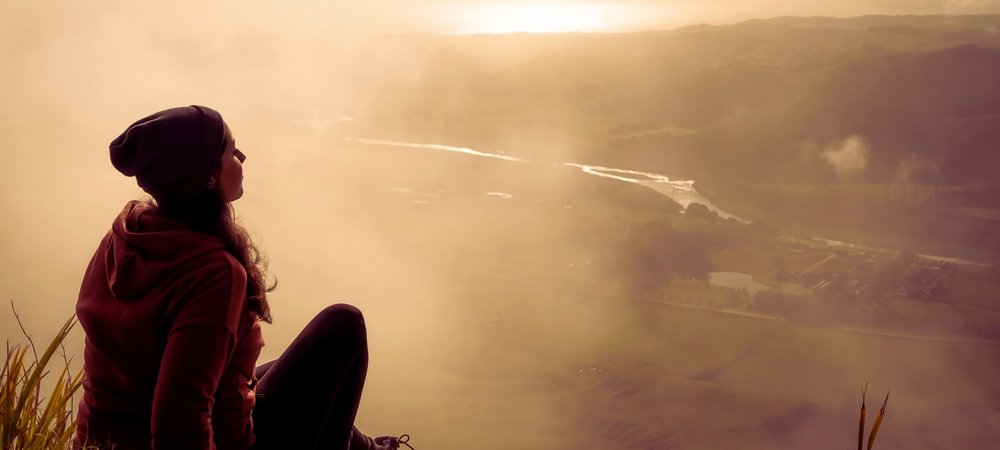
x=456, y=16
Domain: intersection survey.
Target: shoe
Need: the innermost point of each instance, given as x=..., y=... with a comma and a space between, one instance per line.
x=386, y=443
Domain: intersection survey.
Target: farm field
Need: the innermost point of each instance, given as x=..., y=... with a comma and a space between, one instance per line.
x=977, y=286
x=853, y=215
x=613, y=374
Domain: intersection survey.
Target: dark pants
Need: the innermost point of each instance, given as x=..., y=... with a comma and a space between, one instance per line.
x=308, y=397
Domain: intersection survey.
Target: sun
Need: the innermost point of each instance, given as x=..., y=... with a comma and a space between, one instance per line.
x=534, y=17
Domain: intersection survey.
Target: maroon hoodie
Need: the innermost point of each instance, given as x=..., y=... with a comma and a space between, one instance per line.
x=171, y=346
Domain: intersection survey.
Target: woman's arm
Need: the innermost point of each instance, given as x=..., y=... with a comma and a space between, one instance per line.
x=200, y=342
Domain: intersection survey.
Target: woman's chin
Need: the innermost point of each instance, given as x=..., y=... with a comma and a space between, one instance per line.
x=232, y=198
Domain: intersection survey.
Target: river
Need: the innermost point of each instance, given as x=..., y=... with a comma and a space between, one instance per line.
x=680, y=191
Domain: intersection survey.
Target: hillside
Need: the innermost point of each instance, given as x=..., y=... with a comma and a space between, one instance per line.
x=757, y=101
x=922, y=117
x=898, y=115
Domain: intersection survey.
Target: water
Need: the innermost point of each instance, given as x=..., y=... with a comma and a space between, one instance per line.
x=680, y=191
x=736, y=280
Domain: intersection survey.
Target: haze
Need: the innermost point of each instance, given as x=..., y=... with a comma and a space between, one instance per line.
x=452, y=16
x=630, y=224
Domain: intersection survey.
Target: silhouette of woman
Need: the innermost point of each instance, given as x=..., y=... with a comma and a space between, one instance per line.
x=172, y=303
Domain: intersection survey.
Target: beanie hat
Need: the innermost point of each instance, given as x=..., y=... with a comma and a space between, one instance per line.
x=173, y=153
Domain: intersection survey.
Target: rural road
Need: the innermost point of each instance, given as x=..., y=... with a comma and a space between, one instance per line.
x=820, y=263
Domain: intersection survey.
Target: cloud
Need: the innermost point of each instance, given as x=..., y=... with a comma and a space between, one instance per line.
x=849, y=157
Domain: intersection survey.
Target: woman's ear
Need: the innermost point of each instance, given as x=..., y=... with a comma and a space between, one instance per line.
x=213, y=182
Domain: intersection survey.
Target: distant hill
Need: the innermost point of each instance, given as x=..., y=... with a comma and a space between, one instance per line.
x=773, y=100
x=988, y=23
x=925, y=117
x=941, y=108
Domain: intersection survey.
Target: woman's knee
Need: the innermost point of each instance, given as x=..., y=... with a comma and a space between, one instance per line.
x=338, y=325
x=342, y=315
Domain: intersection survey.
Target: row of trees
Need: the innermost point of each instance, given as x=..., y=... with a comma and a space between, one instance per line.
x=656, y=251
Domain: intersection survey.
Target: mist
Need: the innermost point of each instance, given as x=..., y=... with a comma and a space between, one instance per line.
x=535, y=224
x=848, y=158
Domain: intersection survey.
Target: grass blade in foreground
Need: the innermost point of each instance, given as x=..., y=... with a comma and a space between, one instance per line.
x=31, y=383
x=27, y=422
x=878, y=421
x=861, y=427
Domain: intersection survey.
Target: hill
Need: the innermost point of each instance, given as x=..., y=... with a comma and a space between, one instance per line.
x=759, y=101
x=917, y=117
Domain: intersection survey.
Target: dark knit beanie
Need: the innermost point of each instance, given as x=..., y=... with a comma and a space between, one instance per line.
x=173, y=153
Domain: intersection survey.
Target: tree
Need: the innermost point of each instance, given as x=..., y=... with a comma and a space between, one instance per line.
x=702, y=211
x=657, y=251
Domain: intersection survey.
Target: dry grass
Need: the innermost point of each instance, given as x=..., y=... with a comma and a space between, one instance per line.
x=29, y=421
x=878, y=420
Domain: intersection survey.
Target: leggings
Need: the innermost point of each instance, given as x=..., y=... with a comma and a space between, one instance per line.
x=308, y=397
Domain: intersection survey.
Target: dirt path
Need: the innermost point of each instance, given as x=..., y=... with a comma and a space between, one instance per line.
x=823, y=261
x=914, y=337
x=713, y=373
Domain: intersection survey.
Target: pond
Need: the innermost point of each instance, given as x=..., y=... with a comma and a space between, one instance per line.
x=736, y=280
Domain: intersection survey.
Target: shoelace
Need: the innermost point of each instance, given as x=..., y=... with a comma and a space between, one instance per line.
x=404, y=439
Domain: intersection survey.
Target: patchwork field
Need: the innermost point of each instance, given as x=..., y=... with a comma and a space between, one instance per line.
x=583, y=371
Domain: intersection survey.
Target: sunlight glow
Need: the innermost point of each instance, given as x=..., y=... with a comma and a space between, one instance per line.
x=541, y=17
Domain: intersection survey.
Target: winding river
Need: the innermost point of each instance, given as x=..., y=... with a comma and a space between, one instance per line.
x=680, y=191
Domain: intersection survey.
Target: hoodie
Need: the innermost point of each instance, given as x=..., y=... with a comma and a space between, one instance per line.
x=171, y=346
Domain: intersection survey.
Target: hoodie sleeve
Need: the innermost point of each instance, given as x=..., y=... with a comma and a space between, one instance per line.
x=201, y=339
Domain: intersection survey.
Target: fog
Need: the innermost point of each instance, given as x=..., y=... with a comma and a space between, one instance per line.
x=556, y=295
x=848, y=158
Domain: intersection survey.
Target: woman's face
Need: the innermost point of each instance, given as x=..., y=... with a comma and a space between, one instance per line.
x=230, y=176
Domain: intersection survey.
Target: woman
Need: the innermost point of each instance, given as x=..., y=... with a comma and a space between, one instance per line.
x=172, y=303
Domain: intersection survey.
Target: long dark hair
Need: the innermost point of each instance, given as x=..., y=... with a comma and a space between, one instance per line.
x=208, y=213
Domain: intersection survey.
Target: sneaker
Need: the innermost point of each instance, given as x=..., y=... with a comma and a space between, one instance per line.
x=392, y=442
x=386, y=443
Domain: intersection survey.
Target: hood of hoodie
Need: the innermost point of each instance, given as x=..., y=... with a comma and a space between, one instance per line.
x=145, y=249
